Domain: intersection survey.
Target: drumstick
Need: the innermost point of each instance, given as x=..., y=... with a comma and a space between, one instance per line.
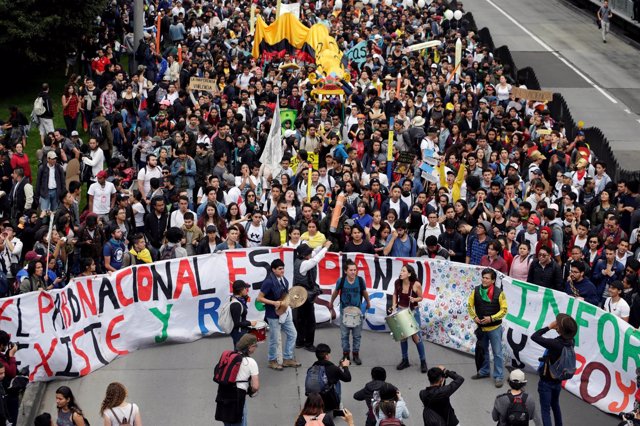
x=337, y=211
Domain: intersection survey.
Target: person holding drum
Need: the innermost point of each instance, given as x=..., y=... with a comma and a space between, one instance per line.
x=239, y=311
x=407, y=294
x=352, y=290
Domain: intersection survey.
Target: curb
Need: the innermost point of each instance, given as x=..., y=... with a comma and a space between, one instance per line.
x=31, y=401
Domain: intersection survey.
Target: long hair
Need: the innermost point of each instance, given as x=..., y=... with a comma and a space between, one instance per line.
x=115, y=395
x=66, y=392
x=313, y=406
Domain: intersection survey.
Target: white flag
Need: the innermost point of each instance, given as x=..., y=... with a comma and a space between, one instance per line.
x=273, y=152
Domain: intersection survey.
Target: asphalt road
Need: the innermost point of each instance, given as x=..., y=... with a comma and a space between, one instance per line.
x=563, y=45
x=173, y=384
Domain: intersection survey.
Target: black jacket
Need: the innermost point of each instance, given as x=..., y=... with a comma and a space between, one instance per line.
x=437, y=398
x=48, y=105
x=155, y=227
x=42, y=181
x=335, y=374
x=366, y=394
x=553, y=351
x=454, y=242
x=549, y=276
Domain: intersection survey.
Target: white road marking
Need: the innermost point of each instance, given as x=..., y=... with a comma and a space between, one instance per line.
x=546, y=47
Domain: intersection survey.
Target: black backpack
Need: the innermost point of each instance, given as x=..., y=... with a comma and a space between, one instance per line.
x=517, y=414
x=96, y=131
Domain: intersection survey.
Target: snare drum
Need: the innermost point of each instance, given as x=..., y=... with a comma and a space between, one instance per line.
x=402, y=324
x=351, y=317
x=259, y=330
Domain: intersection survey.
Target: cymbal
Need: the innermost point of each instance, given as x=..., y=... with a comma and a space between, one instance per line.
x=297, y=296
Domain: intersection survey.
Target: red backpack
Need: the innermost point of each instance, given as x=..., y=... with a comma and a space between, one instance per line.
x=226, y=370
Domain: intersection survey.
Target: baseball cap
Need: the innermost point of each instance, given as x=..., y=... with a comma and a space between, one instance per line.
x=350, y=222
x=52, y=155
x=165, y=102
x=554, y=206
x=211, y=228
x=75, y=133
x=517, y=376
x=102, y=174
x=566, y=188
x=535, y=220
x=31, y=256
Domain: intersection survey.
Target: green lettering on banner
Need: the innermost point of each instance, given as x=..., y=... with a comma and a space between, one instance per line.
x=604, y=318
x=583, y=307
x=519, y=320
x=630, y=351
x=548, y=299
x=164, y=319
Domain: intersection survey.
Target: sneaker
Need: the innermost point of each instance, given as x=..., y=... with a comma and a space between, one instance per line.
x=403, y=364
x=356, y=358
x=291, y=363
x=299, y=346
x=310, y=348
x=478, y=376
x=499, y=383
x=275, y=366
x=423, y=366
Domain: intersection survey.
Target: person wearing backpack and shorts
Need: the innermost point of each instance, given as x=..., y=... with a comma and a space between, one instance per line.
x=516, y=407
x=352, y=289
x=560, y=347
x=324, y=377
x=231, y=407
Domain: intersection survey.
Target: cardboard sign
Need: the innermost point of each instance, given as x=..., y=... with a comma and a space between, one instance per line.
x=204, y=84
x=532, y=95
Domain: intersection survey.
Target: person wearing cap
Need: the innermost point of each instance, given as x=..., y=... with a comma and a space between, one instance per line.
x=615, y=304
x=548, y=387
x=503, y=407
x=487, y=306
x=50, y=182
x=305, y=275
x=102, y=196
x=273, y=292
x=238, y=310
x=231, y=399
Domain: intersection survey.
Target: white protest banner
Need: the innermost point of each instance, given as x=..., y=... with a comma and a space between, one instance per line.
x=292, y=8
x=78, y=329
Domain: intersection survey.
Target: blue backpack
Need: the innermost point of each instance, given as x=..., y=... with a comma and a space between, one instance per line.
x=316, y=380
x=565, y=367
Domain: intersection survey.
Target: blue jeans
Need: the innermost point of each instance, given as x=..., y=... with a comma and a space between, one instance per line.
x=404, y=344
x=50, y=202
x=493, y=337
x=236, y=334
x=290, y=338
x=244, y=416
x=356, y=332
x=549, y=393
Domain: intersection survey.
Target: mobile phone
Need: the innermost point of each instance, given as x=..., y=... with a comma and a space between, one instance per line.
x=338, y=413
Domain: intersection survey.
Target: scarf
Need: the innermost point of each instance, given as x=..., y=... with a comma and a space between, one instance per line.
x=486, y=293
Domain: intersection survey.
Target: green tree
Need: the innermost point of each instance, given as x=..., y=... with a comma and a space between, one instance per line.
x=37, y=33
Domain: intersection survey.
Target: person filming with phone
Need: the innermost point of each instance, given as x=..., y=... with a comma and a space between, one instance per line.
x=324, y=377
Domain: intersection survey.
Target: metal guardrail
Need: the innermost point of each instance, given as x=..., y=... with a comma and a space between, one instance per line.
x=559, y=108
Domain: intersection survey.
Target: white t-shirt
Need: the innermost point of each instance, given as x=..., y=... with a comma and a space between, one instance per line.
x=620, y=308
x=254, y=235
x=123, y=412
x=101, y=197
x=248, y=368
x=145, y=175
x=177, y=218
x=138, y=213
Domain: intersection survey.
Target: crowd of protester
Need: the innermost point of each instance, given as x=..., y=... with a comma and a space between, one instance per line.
x=172, y=172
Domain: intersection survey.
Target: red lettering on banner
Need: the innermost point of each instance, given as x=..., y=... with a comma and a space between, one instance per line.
x=42, y=308
x=280, y=251
x=329, y=269
x=185, y=276
x=426, y=294
x=87, y=298
x=124, y=300
x=45, y=359
x=363, y=268
x=627, y=391
x=111, y=336
x=64, y=308
x=585, y=379
x=4, y=306
x=233, y=271
x=145, y=283
x=87, y=364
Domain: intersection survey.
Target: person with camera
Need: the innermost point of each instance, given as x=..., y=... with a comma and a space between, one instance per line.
x=305, y=274
x=549, y=387
x=515, y=406
x=435, y=398
x=630, y=419
x=324, y=377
